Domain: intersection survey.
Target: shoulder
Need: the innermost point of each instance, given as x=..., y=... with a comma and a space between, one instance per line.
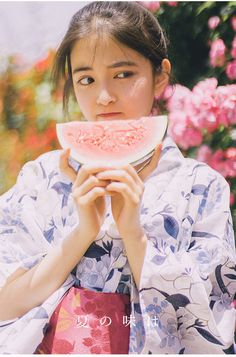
x=187, y=169
x=209, y=191
x=43, y=163
x=204, y=174
x=33, y=173
x=45, y=169
x=186, y=174
x=49, y=159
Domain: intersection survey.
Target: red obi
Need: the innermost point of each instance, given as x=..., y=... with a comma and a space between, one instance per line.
x=87, y=322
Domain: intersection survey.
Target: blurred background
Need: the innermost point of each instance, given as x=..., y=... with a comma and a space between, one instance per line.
x=201, y=105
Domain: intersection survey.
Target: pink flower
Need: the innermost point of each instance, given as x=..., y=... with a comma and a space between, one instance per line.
x=231, y=70
x=217, y=53
x=232, y=200
x=231, y=168
x=192, y=137
x=178, y=122
x=206, y=86
x=204, y=153
x=203, y=110
x=172, y=3
x=181, y=131
x=233, y=50
x=151, y=5
x=233, y=23
x=226, y=102
x=205, y=120
x=204, y=107
x=213, y=22
x=223, y=162
x=218, y=163
x=230, y=153
x=180, y=99
x=167, y=93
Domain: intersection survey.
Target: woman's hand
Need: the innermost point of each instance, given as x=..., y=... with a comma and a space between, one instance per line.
x=89, y=195
x=126, y=189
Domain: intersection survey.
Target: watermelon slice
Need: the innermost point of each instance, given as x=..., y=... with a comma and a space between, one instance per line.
x=121, y=142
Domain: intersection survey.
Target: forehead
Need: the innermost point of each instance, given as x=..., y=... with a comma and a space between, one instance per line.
x=102, y=48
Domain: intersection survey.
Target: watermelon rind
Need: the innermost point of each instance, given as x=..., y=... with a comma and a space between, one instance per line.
x=131, y=159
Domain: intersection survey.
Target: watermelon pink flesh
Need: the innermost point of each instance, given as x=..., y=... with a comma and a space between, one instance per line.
x=111, y=141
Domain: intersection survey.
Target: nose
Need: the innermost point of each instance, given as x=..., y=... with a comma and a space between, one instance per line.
x=105, y=96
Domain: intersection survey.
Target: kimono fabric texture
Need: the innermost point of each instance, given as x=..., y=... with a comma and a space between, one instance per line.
x=183, y=304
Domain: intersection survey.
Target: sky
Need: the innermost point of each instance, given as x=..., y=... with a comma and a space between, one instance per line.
x=31, y=28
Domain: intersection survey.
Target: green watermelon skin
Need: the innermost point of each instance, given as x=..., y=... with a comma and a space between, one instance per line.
x=112, y=142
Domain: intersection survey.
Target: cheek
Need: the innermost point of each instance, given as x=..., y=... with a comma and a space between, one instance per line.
x=84, y=102
x=80, y=95
x=141, y=92
x=139, y=98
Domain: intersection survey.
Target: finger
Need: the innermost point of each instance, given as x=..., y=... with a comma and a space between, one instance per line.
x=129, y=195
x=131, y=170
x=86, y=170
x=119, y=175
x=65, y=167
x=90, y=196
x=124, y=174
x=87, y=185
x=136, y=176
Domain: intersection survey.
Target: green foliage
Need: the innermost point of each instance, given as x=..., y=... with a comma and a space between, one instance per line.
x=187, y=29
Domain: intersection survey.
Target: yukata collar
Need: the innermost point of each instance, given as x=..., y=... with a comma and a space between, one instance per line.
x=74, y=164
x=171, y=157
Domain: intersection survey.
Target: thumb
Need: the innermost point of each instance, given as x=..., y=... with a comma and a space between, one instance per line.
x=64, y=165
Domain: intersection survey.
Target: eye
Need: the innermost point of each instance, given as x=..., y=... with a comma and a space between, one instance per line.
x=124, y=74
x=85, y=81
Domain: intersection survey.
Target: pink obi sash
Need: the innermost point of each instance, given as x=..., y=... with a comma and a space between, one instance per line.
x=87, y=322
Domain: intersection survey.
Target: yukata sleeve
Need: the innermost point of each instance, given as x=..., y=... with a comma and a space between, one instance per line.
x=21, y=238
x=186, y=294
x=23, y=245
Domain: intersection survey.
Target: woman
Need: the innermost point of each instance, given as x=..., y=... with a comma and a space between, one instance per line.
x=159, y=234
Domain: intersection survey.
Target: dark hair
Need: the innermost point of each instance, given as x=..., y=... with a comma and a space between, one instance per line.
x=125, y=21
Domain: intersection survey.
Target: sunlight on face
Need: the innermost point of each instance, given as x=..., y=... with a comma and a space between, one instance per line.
x=111, y=81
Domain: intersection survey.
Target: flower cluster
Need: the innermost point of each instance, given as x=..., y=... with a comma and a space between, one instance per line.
x=202, y=122
x=199, y=112
x=220, y=55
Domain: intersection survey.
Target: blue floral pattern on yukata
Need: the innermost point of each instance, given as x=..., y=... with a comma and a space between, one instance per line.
x=183, y=304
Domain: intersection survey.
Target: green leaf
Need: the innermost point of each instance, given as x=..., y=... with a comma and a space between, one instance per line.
x=221, y=128
x=225, y=17
x=204, y=6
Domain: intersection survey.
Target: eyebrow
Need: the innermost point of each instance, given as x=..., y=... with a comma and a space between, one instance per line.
x=114, y=65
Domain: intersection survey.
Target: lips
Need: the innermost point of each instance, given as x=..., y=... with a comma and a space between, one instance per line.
x=108, y=115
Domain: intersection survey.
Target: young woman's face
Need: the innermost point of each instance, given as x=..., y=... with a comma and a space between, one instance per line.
x=111, y=81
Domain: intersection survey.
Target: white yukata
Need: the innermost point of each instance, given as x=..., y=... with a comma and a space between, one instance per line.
x=188, y=280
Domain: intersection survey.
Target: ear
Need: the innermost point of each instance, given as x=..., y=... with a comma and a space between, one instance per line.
x=162, y=79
